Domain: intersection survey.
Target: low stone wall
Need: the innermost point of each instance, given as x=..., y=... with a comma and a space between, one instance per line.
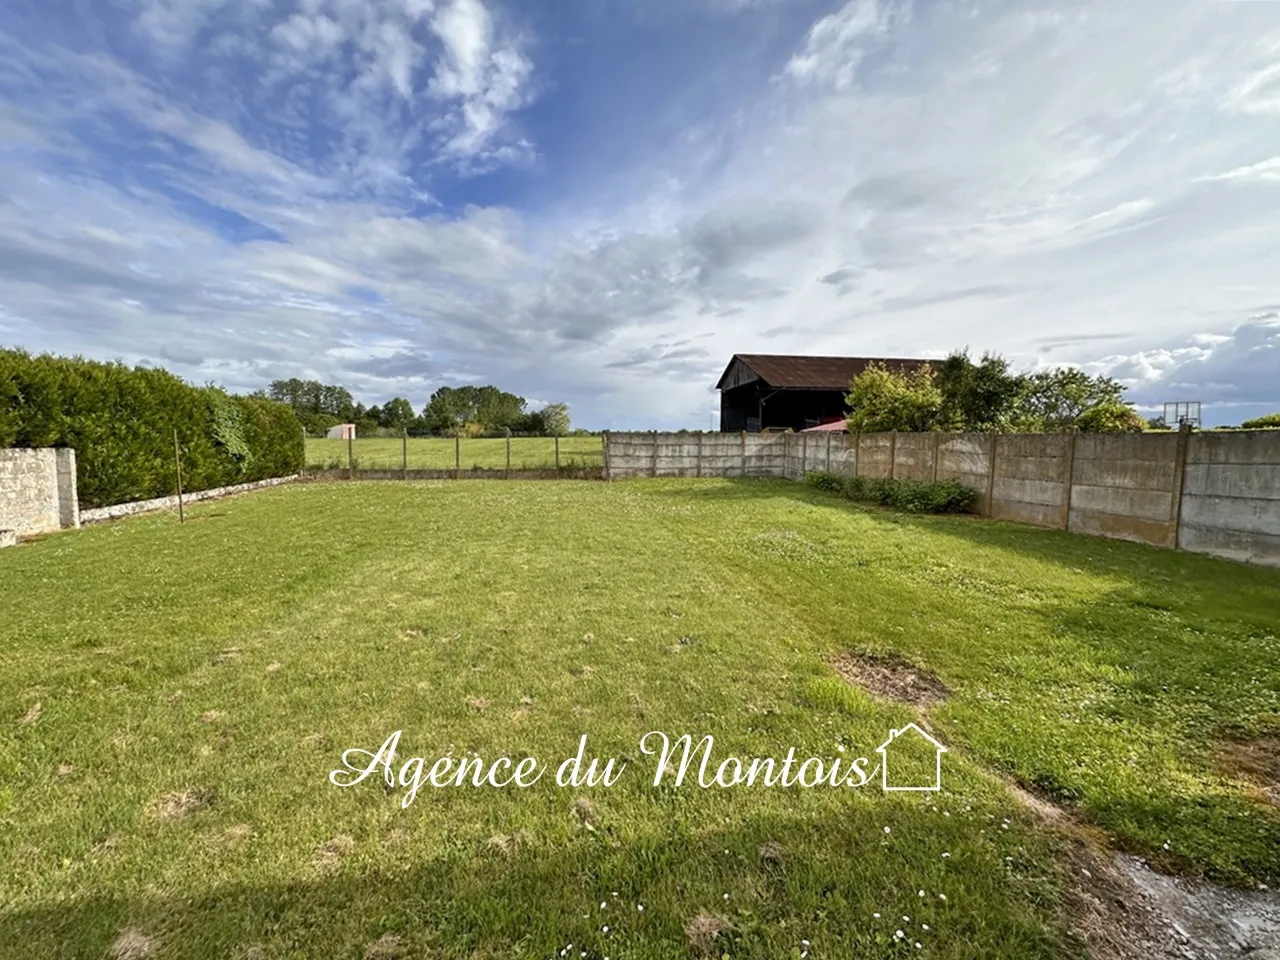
x=118, y=510
x=37, y=491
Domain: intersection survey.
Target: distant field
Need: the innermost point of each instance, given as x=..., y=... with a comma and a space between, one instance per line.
x=432, y=453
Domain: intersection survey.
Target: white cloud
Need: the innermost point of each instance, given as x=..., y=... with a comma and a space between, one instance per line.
x=1035, y=184
x=837, y=43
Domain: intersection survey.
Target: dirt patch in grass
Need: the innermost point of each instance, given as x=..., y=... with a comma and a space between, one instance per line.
x=176, y=806
x=1124, y=910
x=584, y=810
x=131, y=944
x=32, y=715
x=771, y=852
x=890, y=677
x=508, y=844
x=213, y=716
x=332, y=852
x=1257, y=761
x=385, y=947
x=703, y=931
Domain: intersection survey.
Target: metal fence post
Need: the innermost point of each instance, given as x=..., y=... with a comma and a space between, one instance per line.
x=404, y=453
x=177, y=462
x=457, y=455
x=508, y=475
x=351, y=454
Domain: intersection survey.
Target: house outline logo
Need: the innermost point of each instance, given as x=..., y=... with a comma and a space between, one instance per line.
x=883, y=750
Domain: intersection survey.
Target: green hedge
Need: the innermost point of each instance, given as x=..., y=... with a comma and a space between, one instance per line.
x=913, y=496
x=120, y=422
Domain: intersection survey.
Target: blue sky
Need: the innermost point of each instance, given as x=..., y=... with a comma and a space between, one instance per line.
x=600, y=201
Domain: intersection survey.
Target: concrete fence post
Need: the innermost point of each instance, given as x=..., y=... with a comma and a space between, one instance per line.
x=68, y=498
x=804, y=456
x=937, y=442
x=828, y=464
x=1179, y=478
x=1069, y=467
x=893, y=454
x=991, y=474
x=654, y=468
x=604, y=454
x=698, y=457
x=744, y=453
x=857, y=454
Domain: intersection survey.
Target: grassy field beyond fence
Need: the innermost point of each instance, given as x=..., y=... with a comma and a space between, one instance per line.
x=438, y=453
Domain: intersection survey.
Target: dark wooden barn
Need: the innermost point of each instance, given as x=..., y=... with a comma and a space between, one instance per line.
x=772, y=392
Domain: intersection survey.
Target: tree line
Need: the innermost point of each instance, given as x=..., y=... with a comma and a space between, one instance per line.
x=451, y=411
x=960, y=395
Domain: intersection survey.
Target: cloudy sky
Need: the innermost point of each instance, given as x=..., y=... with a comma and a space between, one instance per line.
x=600, y=201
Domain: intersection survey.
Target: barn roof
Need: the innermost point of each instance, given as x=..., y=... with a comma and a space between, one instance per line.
x=782, y=371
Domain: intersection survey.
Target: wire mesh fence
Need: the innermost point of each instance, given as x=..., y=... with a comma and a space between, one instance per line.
x=456, y=453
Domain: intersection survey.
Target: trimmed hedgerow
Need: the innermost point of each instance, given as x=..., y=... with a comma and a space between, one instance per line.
x=913, y=496
x=120, y=421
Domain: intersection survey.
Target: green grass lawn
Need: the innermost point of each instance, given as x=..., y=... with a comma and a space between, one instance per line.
x=438, y=453
x=173, y=699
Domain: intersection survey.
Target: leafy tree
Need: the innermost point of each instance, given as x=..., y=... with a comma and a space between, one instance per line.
x=978, y=397
x=398, y=413
x=1053, y=400
x=1266, y=422
x=533, y=422
x=555, y=417
x=1111, y=418
x=498, y=410
x=881, y=400
x=451, y=407
x=1157, y=423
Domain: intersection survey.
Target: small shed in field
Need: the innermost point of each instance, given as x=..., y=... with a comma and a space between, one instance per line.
x=343, y=431
x=774, y=392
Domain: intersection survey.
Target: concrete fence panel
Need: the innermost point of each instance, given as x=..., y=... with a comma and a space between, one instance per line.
x=1230, y=503
x=1208, y=493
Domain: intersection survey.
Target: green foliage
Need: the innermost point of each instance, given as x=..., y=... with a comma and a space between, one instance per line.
x=1268, y=422
x=1053, y=400
x=397, y=414
x=912, y=496
x=964, y=396
x=555, y=417
x=228, y=430
x=121, y=423
x=978, y=397
x=880, y=400
x=1111, y=418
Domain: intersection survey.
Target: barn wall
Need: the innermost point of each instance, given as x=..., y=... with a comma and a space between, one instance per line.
x=1216, y=493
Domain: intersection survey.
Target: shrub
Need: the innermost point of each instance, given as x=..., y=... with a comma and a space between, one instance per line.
x=121, y=422
x=1267, y=422
x=913, y=496
x=1111, y=418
